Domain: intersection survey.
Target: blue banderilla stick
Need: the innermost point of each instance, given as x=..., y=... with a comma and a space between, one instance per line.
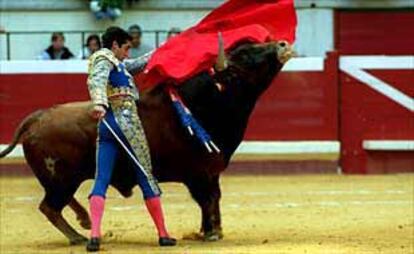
x=125, y=147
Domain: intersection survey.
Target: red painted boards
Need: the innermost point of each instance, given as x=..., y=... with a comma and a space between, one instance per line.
x=298, y=106
x=22, y=94
x=367, y=114
x=375, y=32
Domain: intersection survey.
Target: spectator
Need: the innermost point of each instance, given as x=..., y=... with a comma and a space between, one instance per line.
x=173, y=32
x=137, y=48
x=56, y=51
x=93, y=44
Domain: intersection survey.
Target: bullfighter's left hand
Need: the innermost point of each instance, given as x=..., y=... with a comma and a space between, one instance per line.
x=98, y=112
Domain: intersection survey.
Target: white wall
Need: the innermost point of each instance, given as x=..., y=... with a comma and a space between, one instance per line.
x=29, y=46
x=315, y=34
x=314, y=37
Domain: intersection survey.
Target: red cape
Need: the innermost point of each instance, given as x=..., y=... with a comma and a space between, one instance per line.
x=196, y=49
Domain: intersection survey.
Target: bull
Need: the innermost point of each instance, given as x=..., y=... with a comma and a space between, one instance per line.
x=59, y=142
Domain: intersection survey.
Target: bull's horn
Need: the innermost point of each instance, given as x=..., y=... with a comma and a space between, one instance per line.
x=221, y=63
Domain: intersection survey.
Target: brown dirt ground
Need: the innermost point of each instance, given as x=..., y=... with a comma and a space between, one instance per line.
x=261, y=214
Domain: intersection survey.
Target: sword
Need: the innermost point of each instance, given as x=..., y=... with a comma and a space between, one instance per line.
x=125, y=148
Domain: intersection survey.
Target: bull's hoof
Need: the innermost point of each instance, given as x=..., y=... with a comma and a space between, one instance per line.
x=78, y=240
x=207, y=237
x=213, y=236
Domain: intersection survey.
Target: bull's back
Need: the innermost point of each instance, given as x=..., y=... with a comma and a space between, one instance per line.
x=66, y=122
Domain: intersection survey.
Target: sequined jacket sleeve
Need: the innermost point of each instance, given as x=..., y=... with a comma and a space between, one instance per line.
x=98, y=80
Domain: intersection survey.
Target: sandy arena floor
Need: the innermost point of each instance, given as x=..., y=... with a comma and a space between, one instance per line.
x=261, y=214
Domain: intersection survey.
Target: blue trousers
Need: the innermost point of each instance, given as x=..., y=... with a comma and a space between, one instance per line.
x=107, y=150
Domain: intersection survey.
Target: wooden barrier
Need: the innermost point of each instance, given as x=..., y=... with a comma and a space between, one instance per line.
x=334, y=109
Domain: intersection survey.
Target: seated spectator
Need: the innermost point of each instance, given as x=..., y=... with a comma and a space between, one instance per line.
x=173, y=32
x=56, y=51
x=137, y=47
x=93, y=44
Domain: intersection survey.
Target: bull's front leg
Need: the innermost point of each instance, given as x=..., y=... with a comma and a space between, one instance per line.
x=206, y=192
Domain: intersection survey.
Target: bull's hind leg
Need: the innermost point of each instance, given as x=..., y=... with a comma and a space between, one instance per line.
x=206, y=192
x=81, y=214
x=51, y=206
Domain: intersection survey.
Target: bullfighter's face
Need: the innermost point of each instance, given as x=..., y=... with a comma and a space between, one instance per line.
x=121, y=51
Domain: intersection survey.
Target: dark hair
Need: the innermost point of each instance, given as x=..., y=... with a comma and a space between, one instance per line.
x=135, y=29
x=112, y=34
x=93, y=37
x=56, y=35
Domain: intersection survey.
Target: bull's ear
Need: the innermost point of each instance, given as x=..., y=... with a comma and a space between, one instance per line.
x=221, y=63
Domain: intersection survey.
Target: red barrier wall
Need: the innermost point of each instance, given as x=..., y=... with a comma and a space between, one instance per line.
x=300, y=105
x=367, y=114
x=375, y=32
x=333, y=102
x=21, y=94
x=310, y=114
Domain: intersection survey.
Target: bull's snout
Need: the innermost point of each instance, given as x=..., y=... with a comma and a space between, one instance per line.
x=284, y=51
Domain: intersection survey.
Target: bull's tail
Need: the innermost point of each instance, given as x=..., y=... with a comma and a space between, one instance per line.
x=24, y=125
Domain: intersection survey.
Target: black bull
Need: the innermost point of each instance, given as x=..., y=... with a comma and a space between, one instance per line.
x=59, y=143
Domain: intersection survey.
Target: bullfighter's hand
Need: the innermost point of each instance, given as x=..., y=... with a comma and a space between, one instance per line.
x=98, y=112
